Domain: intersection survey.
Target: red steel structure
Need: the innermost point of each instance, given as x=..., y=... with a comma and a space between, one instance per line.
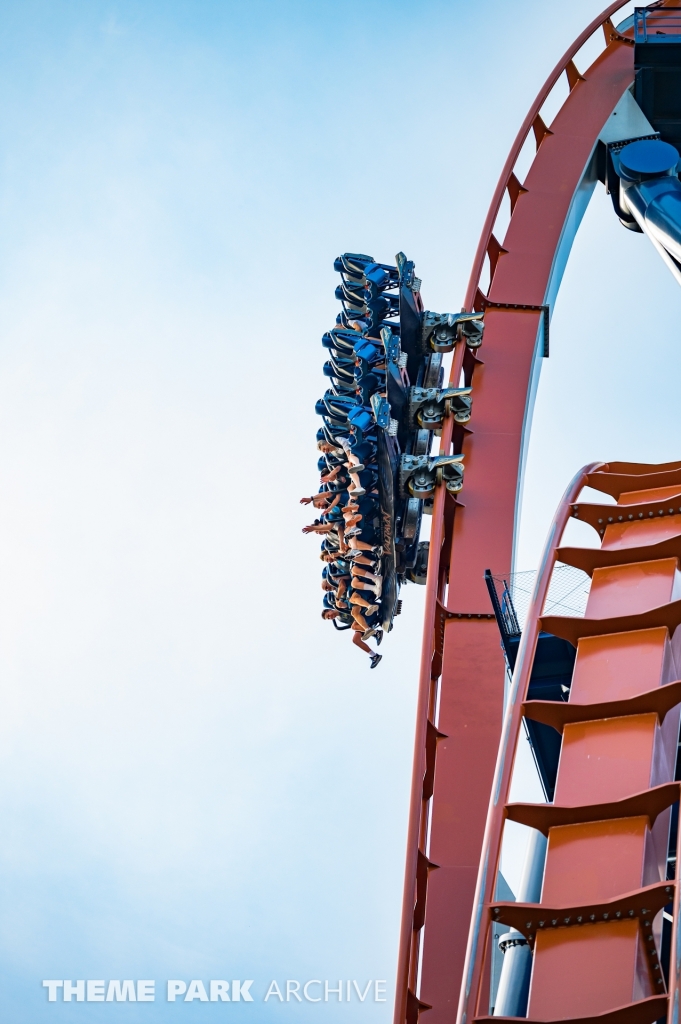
x=596, y=933
x=459, y=710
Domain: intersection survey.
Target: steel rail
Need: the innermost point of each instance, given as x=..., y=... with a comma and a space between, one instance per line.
x=417, y=826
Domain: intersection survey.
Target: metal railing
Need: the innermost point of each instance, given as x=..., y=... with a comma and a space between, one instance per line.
x=567, y=595
x=511, y=595
x=656, y=26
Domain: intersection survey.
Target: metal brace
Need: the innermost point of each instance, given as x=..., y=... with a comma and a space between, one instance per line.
x=381, y=409
x=419, y=475
x=428, y=407
x=391, y=344
x=544, y=310
x=419, y=573
x=441, y=331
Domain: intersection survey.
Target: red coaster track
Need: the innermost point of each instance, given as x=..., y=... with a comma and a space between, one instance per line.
x=596, y=931
x=459, y=713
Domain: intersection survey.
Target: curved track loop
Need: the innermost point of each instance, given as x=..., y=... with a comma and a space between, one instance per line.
x=462, y=669
x=487, y=246
x=598, y=869
x=512, y=722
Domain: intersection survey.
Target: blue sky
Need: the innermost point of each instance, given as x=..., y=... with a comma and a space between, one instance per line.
x=198, y=779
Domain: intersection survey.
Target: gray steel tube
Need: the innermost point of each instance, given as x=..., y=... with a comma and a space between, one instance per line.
x=514, y=983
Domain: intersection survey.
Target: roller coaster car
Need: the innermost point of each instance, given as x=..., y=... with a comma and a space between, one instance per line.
x=386, y=370
x=364, y=286
x=352, y=264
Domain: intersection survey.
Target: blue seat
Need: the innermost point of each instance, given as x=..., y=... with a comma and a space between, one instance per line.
x=353, y=307
x=369, y=384
x=353, y=263
x=346, y=339
x=377, y=278
x=369, y=351
x=353, y=291
x=362, y=421
x=333, y=434
x=344, y=321
x=340, y=262
x=335, y=407
x=384, y=305
x=337, y=342
x=342, y=366
x=344, y=381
